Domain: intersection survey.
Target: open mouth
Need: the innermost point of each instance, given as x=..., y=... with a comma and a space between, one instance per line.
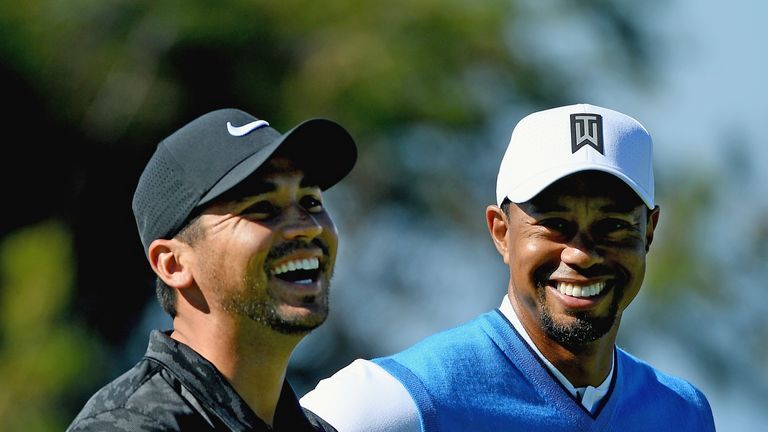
x=300, y=271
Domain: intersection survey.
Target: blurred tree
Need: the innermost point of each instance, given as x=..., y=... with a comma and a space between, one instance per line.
x=703, y=287
x=46, y=357
x=92, y=87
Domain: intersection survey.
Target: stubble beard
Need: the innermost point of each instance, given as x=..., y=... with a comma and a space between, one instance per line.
x=259, y=304
x=585, y=328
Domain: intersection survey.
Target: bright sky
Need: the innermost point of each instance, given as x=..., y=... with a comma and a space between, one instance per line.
x=712, y=79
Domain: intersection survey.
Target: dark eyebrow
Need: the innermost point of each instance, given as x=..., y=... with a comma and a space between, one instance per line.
x=546, y=206
x=247, y=189
x=257, y=188
x=620, y=207
x=257, y=185
x=551, y=208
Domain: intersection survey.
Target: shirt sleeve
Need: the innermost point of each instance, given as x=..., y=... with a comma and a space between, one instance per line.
x=364, y=397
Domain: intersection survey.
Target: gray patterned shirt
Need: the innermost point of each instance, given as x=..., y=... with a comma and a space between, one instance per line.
x=172, y=388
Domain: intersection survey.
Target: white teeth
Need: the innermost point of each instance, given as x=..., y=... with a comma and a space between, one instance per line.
x=574, y=290
x=298, y=264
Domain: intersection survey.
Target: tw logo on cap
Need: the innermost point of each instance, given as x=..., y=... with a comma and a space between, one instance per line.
x=587, y=129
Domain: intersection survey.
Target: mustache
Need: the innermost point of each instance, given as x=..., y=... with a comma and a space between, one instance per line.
x=593, y=271
x=293, y=245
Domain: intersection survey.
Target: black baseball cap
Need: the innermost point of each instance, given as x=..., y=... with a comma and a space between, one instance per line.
x=218, y=150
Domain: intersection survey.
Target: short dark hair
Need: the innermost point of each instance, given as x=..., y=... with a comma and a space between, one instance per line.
x=189, y=234
x=505, y=206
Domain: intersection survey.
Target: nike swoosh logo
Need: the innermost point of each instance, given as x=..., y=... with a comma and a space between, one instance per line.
x=239, y=131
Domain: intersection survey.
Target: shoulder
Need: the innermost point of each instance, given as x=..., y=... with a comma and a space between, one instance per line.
x=120, y=392
x=641, y=375
x=383, y=394
x=677, y=394
x=363, y=397
x=471, y=336
x=441, y=354
x=119, y=419
x=142, y=399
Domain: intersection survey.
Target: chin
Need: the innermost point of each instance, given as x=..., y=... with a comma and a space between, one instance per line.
x=579, y=331
x=296, y=326
x=299, y=320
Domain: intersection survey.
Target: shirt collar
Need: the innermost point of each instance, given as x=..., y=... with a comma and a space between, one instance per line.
x=589, y=396
x=212, y=389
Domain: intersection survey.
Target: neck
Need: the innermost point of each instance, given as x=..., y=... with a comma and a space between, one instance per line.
x=251, y=357
x=583, y=365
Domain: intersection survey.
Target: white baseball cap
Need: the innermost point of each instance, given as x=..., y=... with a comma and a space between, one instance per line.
x=548, y=145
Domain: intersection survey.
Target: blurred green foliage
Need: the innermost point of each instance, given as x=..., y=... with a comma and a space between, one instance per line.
x=421, y=84
x=46, y=358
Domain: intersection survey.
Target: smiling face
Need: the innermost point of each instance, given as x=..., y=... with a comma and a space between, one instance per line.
x=576, y=256
x=268, y=254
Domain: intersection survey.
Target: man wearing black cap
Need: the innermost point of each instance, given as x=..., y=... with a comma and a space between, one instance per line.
x=231, y=217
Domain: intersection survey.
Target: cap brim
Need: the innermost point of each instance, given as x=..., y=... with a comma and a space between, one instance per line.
x=529, y=189
x=321, y=148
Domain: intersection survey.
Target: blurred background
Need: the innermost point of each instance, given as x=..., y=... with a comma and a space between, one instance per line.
x=431, y=91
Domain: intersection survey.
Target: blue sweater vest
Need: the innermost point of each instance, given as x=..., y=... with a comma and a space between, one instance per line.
x=482, y=376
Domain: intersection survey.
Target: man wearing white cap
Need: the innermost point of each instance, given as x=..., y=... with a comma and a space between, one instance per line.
x=574, y=219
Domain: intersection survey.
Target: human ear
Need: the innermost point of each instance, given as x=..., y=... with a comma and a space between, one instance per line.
x=165, y=259
x=653, y=221
x=496, y=220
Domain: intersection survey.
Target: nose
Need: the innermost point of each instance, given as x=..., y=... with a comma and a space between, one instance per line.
x=581, y=253
x=301, y=224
